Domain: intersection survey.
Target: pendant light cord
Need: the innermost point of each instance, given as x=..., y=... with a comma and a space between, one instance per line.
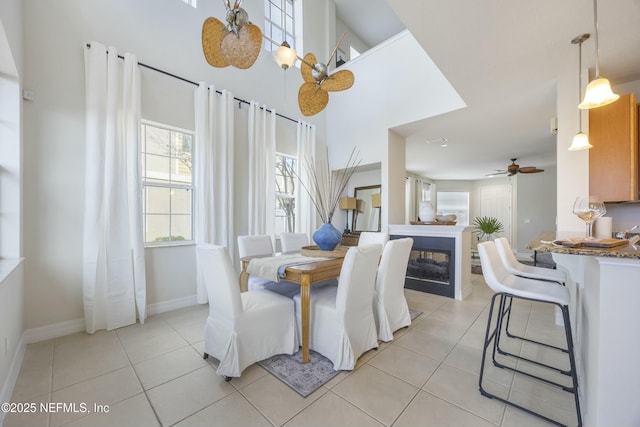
x=580, y=84
x=595, y=26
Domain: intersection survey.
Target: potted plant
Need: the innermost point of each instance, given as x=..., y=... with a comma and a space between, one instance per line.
x=487, y=226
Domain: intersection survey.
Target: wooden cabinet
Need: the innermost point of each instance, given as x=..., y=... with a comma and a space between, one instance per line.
x=613, y=160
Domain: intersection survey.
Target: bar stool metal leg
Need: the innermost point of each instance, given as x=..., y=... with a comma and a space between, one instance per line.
x=505, y=301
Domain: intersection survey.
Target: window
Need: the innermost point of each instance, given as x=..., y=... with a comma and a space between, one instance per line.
x=278, y=16
x=285, y=215
x=456, y=203
x=167, y=184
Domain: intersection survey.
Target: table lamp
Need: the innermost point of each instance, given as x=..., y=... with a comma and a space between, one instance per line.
x=347, y=203
x=376, y=200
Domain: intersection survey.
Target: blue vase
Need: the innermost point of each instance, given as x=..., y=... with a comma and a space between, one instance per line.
x=327, y=237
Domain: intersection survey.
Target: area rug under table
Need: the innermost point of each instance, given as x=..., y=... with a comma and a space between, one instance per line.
x=305, y=378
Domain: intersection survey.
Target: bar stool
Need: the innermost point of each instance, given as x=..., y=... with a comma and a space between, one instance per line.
x=514, y=266
x=517, y=268
x=507, y=286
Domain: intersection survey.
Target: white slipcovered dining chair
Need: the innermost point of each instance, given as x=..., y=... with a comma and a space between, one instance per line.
x=293, y=242
x=341, y=322
x=389, y=303
x=257, y=245
x=242, y=328
x=373, y=237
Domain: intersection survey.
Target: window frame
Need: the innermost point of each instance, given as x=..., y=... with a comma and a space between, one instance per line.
x=171, y=185
x=269, y=23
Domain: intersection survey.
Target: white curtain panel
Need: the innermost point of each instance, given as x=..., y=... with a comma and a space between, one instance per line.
x=113, y=275
x=262, y=160
x=213, y=173
x=305, y=211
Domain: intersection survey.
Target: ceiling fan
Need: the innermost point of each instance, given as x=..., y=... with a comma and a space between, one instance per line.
x=237, y=43
x=515, y=168
x=313, y=95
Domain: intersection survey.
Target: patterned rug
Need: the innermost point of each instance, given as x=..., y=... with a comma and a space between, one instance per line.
x=308, y=377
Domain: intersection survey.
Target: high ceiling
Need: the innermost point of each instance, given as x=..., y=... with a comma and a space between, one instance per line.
x=503, y=59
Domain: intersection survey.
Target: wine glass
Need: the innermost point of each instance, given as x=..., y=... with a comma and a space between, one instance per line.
x=588, y=209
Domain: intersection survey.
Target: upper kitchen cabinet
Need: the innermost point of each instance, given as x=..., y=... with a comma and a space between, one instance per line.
x=613, y=160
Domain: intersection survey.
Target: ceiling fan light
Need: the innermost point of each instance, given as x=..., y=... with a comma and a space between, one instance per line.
x=580, y=142
x=598, y=94
x=284, y=56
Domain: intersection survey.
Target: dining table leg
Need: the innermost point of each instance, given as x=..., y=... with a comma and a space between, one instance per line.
x=305, y=300
x=244, y=280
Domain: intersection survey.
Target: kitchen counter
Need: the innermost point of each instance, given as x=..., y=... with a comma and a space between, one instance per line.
x=626, y=251
x=605, y=292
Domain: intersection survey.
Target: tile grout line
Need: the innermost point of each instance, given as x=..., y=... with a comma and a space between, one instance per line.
x=153, y=409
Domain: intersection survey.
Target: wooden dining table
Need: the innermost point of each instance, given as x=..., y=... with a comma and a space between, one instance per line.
x=304, y=275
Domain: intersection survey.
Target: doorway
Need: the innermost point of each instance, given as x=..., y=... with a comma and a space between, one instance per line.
x=497, y=201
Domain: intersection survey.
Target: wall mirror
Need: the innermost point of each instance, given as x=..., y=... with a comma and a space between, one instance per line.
x=366, y=216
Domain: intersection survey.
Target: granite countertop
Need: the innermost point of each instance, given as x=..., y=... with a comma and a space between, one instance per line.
x=543, y=244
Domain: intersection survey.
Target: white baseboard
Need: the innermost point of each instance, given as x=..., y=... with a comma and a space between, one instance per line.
x=77, y=325
x=12, y=375
x=55, y=330
x=170, y=305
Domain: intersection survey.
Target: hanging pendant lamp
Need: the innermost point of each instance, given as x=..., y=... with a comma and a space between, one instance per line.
x=284, y=55
x=598, y=91
x=580, y=140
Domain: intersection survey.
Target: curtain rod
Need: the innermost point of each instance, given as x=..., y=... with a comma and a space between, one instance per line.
x=166, y=73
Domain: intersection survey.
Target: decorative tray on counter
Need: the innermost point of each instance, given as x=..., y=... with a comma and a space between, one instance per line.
x=433, y=223
x=594, y=243
x=338, y=252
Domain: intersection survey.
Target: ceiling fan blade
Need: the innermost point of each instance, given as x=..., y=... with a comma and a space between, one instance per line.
x=530, y=169
x=242, y=50
x=213, y=32
x=497, y=172
x=312, y=99
x=340, y=80
x=306, y=69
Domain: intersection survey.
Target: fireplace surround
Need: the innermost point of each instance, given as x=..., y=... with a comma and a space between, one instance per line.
x=440, y=259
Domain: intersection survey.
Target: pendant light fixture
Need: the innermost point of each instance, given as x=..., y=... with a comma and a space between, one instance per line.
x=598, y=91
x=580, y=140
x=284, y=55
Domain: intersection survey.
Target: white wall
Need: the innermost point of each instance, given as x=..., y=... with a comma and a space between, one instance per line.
x=535, y=206
x=352, y=122
x=162, y=33
x=350, y=39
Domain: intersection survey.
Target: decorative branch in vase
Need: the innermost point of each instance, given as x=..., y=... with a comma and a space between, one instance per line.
x=325, y=187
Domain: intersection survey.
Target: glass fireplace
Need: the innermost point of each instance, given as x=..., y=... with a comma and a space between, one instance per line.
x=431, y=266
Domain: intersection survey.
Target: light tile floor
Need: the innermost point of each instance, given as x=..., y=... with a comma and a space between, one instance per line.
x=154, y=375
